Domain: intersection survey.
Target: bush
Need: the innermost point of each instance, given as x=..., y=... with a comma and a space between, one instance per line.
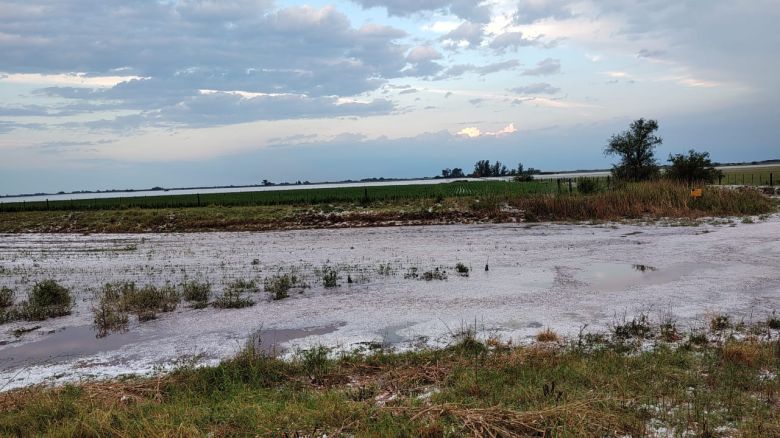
x=6, y=298
x=194, y=291
x=49, y=293
x=232, y=299
x=462, y=269
x=587, y=186
x=695, y=167
x=330, y=278
x=436, y=274
x=110, y=314
x=47, y=299
x=278, y=286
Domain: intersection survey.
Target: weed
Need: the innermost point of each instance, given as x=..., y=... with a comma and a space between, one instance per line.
x=637, y=328
x=241, y=285
x=6, y=298
x=110, y=314
x=278, y=286
x=720, y=323
x=773, y=322
x=462, y=269
x=385, y=270
x=315, y=362
x=547, y=335
x=330, y=277
x=588, y=186
x=232, y=299
x=436, y=274
x=196, y=292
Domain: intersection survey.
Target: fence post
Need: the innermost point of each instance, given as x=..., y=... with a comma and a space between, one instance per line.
x=570, y=186
x=720, y=179
x=558, y=180
x=47, y=204
x=198, y=199
x=771, y=182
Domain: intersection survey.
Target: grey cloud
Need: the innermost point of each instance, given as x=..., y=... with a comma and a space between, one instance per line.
x=545, y=67
x=221, y=108
x=409, y=91
x=179, y=48
x=530, y=11
x=537, y=88
x=461, y=69
x=472, y=10
x=650, y=54
x=473, y=33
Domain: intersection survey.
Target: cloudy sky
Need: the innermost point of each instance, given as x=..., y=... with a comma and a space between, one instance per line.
x=99, y=94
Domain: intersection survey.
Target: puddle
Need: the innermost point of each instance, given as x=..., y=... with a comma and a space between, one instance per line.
x=613, y=277
x=271, y=339
x=390, y=334
x=66, y=344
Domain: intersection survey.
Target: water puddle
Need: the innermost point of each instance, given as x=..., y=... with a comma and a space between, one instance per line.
x=270, y=340
x=613, y=277
x=66, y=344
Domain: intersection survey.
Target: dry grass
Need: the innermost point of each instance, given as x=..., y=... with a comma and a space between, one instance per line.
x=547, y=335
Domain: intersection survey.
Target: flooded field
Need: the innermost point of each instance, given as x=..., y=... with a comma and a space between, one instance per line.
x=378, y=287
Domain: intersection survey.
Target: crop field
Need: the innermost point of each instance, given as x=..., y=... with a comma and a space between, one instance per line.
x=490, y=189
x=753, y=176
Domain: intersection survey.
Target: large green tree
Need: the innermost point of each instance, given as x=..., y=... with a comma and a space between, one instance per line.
x=636, y=148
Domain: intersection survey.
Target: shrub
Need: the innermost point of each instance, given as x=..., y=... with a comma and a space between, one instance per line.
x=587, y=186
x=695, y=167
x=547, y=335
x=110, y=314
x=232, y=299
x=436, y=274
x=639, y=328
x=47, y=299
x=242, y=285
x=315, y=362
x=49, y=293
x=279, y=285
x=720, y=323
x=194, y=291
x=6, y=297
x=330, y=278
x=462, y=269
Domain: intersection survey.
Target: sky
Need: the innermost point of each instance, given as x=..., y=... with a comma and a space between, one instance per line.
x=114, y=94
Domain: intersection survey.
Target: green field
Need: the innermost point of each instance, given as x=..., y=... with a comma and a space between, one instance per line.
x=756, y=176
x=499, y=189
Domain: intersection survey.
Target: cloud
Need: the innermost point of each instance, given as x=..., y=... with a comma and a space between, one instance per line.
x=422, y=61
x=537, y=88
x=545, y=67
x=514, y=40
x=474, y=132
x=99, y=59
x=468, y=34
x=472, y=10
x=483, y=70
x=529, y=11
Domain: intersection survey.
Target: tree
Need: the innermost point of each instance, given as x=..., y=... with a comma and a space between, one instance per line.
x=524, y=175
x=695, y=167
x=482, y=169
x=457, y=173
x=635, y=147
x=446, y=173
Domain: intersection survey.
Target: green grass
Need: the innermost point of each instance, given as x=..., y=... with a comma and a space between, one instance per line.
x=594, y=385
x=751, y=176
x=295, y=196
x=495, y=202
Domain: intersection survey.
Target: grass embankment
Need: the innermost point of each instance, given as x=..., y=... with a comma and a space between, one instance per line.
x=651, y=200
x=642, y=379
